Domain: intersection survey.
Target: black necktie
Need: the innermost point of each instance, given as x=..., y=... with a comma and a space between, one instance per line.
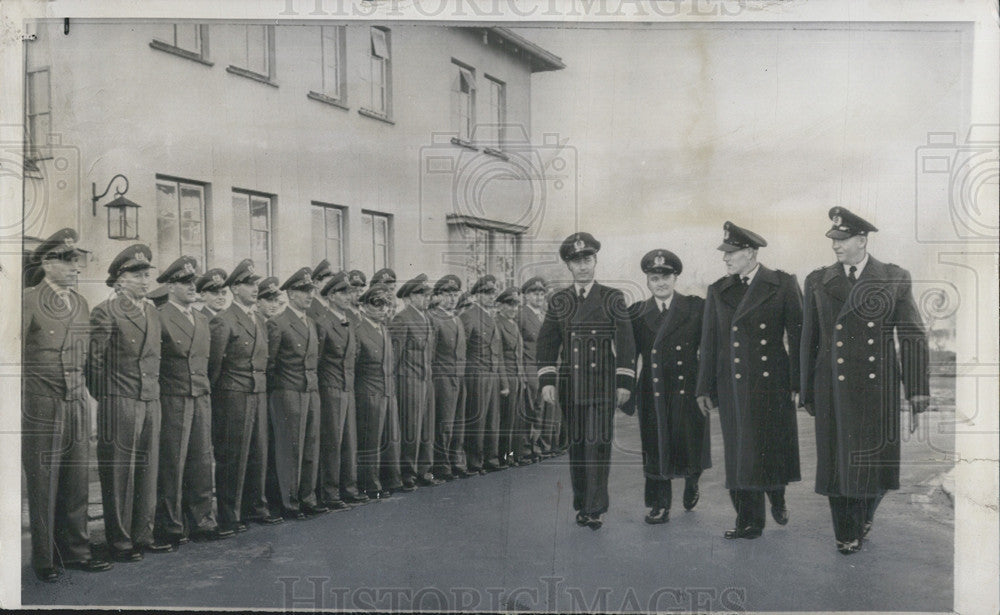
x=852, y=274
x=580, y=294
x=745, y=280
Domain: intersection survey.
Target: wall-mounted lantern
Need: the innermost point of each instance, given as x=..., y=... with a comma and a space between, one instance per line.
x=123, y=214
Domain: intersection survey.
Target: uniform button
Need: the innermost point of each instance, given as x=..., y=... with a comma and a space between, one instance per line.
x=871, y=358
x=763, y=342
x=736, y=344
x=677, y=348
x=680, y=363
x=840, y=360
x=576, y=367
x=870, y=324
x=870, y=341
x=654, y=351
x=680, y=377
x=656, y=394
x=132, y=340
x=738, y=376
x=871, y=376
x=763, y=358
x=736, y=360
x=840, y=377
x=593, y=364
x=654, y=366
x=681, y=391
x=736, y=328
x=839, y=326
x=765, y=374
x=593, y=332
x=656, y=379
x=839, y=344
x=52, y=332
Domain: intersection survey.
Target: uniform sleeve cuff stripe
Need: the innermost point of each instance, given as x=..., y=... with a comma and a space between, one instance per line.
x=624, y=371
x=546, y=370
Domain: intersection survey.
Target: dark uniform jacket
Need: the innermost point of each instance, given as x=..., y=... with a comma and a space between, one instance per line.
x=746, y=368
x=55, y=333
x=449, y=345
x=513, y=349
x=338, y=348
x=184, y=352
x=484, y=350
x=413, y=344
x=373, y=374
x=665, y=390
x=530, y=324
x=293, y=353
x=238, y=358
x=593, y=341
x=124, y=357
x=851, y=373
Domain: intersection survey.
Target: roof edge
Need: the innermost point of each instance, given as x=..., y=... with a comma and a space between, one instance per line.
x=541, y=59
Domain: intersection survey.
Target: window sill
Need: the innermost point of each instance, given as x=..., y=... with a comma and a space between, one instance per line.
x=183, y=53
x=327, y=100
x=495, y=152
x=249, y=74
x=464, y=143
x=376, y=116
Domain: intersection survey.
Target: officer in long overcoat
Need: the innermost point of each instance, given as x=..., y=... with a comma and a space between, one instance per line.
x=674, y=431
x=123, y=374
x=851, y=374
x=746, y=368
x=237, y=369
x=587, y=329
x=448, y=373
x=293, y=402
x=186, y=485
x=55, y=421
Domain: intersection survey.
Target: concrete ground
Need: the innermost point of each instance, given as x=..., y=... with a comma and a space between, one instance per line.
x=507, y=541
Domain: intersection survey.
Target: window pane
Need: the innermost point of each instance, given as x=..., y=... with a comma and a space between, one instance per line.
x=378, y=85
x=192, y=227
x=367, y=254
x=164, y=33
x=259, y=214
x=318, y=240
x=380, y=46
x=257, y=49
x=259, y=251
x=241, y=224
x=189, y=37
x=167, y=233
x=331, y=61
x=39, y=129
x=38, y=92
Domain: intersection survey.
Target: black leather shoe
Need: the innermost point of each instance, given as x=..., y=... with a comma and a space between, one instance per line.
x=490, y=467
x=268, y=520
x=409, y=484
x=691, y=496
x=657, y=516
x=849, y=547
x=336, y=505
x=295, y=515
x=595, y=522
x=90, y=565
x=48, y=575
x=183, y=540
x=744, y=532
x=524, y=461
x=582, y=519
x=212, y=535
x=360, y=498
x=160, y=546
x=126, y=555
x=865, y=530
x=446, y=477
x=385, y=494
x=432, y=481
x=312, y=511
x=780, y=515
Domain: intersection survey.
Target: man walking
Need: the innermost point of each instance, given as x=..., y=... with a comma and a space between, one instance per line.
x=55, y=420
x=851, y=373
x=673, y=430
x=586, y=327
x=747, y=370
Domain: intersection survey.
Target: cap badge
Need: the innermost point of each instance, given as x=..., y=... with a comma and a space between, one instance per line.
x=69, y=242
x=837, y=221
x=250, y=269
x=725, y=235
x=305, y=279
x=579, y=245
x=659, y=261
x=188, y=267
x=140, y=256
x=217, y=279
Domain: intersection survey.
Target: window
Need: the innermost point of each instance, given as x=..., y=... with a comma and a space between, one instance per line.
x=183, y=39
x=377, y=237
x=180, y=220
x=252, y=227
x=38, y=109
x=463, y=106
x=490, y=251
x=497, y=112
x=332, y=38
x=328, y=234
x=380, y=97
x=255, y=54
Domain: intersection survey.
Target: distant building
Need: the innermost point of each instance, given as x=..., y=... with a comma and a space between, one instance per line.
x=368, y=145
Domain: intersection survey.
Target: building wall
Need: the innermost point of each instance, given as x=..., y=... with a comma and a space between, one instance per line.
x=121, y=106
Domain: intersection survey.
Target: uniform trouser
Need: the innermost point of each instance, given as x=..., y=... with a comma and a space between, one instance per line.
x=482, y=420
x=239, y=439
x=562, y=439
x=449, y=414
x=510, y=407
x=128, y=457
x=659, y=491
x=749, y=505
x=851, y=514
x=391, y=448
x=184, y=490
x=338, y=445
x=55, y=450
x=373, y=413
x=295, y=435
x=590, y=432
x=536, y=409
x=416, y=420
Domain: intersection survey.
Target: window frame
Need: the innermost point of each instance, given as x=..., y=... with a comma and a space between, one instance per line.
x=200, y=56
x=385, y=62
x=35, y=150
x=269, y=53
x=464, y=103
x=500, y=117
x=250, y=195
x=178, y=182
x=343, y=239
x=373, y=215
